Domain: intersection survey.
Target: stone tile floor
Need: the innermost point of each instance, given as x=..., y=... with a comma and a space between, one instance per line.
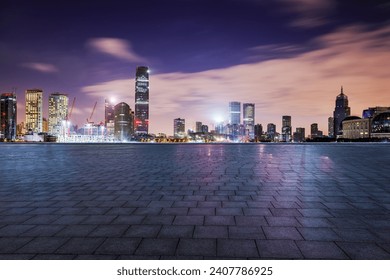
x=145, y=201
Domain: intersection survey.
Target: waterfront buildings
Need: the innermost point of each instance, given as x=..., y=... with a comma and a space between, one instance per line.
x=248, y=110
x=331, y=127
x=58, y=113
x=109, y=117
x=258, y=132
x=354, y=128
x=179, y=128
x=271, y=131
x=34, y=104
x=341, y=111
x=286, y=129
x=299, y=134
x=198, y=127
x=8, y=114
x=141, y=120
x=124, y=121
x=381, y=125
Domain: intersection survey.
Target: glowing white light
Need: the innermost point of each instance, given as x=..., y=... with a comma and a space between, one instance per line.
x=112, y=100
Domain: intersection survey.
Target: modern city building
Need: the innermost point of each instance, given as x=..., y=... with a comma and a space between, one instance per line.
x=380, y=127
x=141, y=120
x=198, y=127
x=313, y=130
x=34, y=110
x=179, y=128
x=374, y=111
x=354, y=127
x=8, y=112
x=286, y=129
x=109, y=117
x=58, y=113
x=249, y=118
x=258, y=132
x=299, y=135
x=330, y=127
x=205, y=128
x=340, y=112
x=271, y=131
x=234, y=113
x=124, y=121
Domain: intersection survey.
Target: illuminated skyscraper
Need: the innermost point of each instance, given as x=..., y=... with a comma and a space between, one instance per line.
x=271, y=131
x=124, y=120
x=198, y=127
x=141, y=122
x=341, y=111
x=179, y=127
x=249, y=118
x=234, y=113
x=58, y=113
x=8, y=116
x=34, y=104
x=109, y=117
x=286, y=129
x=330, y=127
x=313, y=130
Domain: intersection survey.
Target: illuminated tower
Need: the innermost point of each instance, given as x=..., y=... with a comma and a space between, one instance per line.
x=286, y=129
x=341, y=111
x=141, y=122
x=58, y=113
x=234, y=113
x=249, y=118
x=124, y=119
x=8, y=116
x=34, y=119
x=179, y=127
x=109, y=117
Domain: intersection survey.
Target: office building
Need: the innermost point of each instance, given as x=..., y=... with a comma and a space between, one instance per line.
x=330, y=127
x=8, y=112
x=271, y=131
x=34, y=108
x=354, y=127
x=109, y=117
x=299, y=135
x=205, y=128
x=374, y=111
x=249, y=118
x=286, y=129
x=123, y=122
x=141, y=121
x=234, y=113
x=381, y=125
x=58, y=113
x=258, y=132
x=179, y=128
x=313, y=130
x=198, y=127
x=340, y=112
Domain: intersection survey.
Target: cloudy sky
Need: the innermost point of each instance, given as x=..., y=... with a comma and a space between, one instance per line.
x=289, y=57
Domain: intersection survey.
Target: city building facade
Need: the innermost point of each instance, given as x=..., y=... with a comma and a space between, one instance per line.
x=141, y=118
x=341, y=111
x=286, y=129
x=109, y=117
x=179, y=128
x=8, y=120
x=58, y=113
x=299, y=135
x=34, y=110
x=355, y=128
x=249, y=118
x=124, y=122
x=271, y=131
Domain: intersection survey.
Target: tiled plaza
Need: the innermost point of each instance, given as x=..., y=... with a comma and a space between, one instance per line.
x=238, y=201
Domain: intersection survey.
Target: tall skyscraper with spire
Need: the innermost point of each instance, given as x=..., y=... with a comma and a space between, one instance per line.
x=341, y=111
x=141, y=118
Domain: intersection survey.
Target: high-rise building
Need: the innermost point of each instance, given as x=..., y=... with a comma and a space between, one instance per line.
x=313, y=130
x=234, y=113
x=299, y=134
x=330, y=127
x=258, y=132
x=249, y=118
x=109, y=117
x=198, y=127
x=34, y=106
x=340, y=112
x=271, y=131
x=123, y=121
x=374, y=111
x=58, y=113
x=205, y=128
x=179, y=127
x=286, y=129
x=141, y=122
x=8, y=116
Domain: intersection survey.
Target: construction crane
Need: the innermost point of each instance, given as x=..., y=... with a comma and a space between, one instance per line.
x=93, y=111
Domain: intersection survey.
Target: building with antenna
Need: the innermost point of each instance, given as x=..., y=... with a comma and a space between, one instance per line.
x=341, y=111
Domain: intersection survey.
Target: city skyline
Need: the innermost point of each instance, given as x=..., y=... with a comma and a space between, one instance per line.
x=288, y=58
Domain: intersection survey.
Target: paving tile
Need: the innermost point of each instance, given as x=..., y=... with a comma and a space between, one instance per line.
x=43, y=230
x=250, y=221
x=176, y=232
x=319, y=234
x=247, y=232
x=211, y=232
x=11, y=244
x=43, y=245
x=219, y=220
x=355, y=235
x=321, y=250
x=108, y=231
x=118, y=246
x=287, y=233
x=76, y=230
x=364, y=251
x=282, y=221
x=197, y=247
x=128, y=220
x=70, y=219
x=278, y=249
x=188, y=220
x=146, y=231
x=201, y=211
x=237, y=248
x=14, y=230
x=158, y=247
x=80, y=245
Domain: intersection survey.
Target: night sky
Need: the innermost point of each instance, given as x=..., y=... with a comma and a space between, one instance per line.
x=289, y=57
